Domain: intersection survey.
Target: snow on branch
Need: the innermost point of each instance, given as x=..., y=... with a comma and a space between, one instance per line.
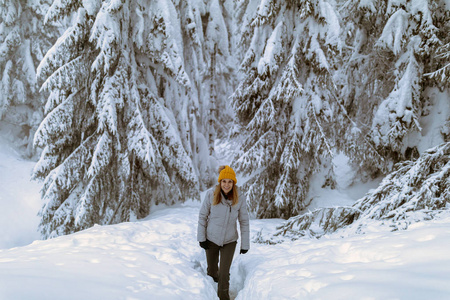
x=268, y=65
x=332, y=29
x=266, y=11
x=114, y=5
x=46, y=163
x=101, y=156
x=5, y=88
x=83, y=207
x=216, y=32
x=419, y=185
x=283, y=189
x=394, y=31
x=398, y=113
x=257, y=156
x=316, y=54
x=443, y=73
x=71, y=73
x=60, y=182
x=291, y=157
x=140, y=140
x=290, y=163
x=318, y=222
x=255, y=48
x=60, y=189
x=105, y=37
x=288, y=86
x=59, y=9
x=11, y=13
x=56, y=123
x=105, y=30
x=368, y=4
x=172, y=56
x=170, y=147
x=65, y=48
x=11, y=42
x=106, y=109
x=264, y=116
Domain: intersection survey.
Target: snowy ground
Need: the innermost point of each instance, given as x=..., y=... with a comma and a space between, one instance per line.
x=159, y=257
x=19, y=199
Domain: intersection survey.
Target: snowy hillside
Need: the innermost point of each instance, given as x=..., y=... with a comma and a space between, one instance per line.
x=159, y=258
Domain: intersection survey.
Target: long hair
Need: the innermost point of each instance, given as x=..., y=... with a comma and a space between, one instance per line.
x=218, y=196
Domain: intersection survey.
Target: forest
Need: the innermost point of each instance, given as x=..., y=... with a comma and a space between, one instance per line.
x=121, y=104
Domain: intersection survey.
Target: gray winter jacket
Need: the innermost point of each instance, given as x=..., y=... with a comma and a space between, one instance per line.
x=217, y=223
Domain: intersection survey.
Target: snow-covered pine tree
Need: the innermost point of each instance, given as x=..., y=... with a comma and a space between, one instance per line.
x=389, y=44
x=415, y=191
x=439, y=71
x=111, y=147
x=284, y=103
x=206, y=29
x=410, y=34
x=23, y=43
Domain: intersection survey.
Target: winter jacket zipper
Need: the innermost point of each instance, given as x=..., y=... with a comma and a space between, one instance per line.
x=226, y=220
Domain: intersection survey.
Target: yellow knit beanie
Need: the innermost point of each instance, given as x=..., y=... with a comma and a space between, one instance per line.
x=227, y=173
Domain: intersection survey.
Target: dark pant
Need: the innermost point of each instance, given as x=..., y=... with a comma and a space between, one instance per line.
x=222, y=274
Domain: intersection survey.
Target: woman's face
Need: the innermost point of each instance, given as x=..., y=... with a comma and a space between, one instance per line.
x=226, y=185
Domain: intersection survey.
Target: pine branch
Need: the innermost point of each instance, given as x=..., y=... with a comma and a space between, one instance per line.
x=441, y=72
x=416, y=191
x=344, y=111
x=330, y=152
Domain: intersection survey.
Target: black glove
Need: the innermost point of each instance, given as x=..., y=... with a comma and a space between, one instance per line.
x=243, y=251
x=204, y=245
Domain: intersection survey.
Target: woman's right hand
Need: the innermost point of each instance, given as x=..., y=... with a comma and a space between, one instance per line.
x=204, y=245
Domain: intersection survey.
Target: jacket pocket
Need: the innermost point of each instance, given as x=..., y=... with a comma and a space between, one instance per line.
x=213, y=232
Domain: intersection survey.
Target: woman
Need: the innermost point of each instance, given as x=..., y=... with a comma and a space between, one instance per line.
x=217, y=231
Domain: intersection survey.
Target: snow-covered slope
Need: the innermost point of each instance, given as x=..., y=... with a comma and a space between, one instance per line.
x=154, y=259
x=19, y=199
x=159, y=258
